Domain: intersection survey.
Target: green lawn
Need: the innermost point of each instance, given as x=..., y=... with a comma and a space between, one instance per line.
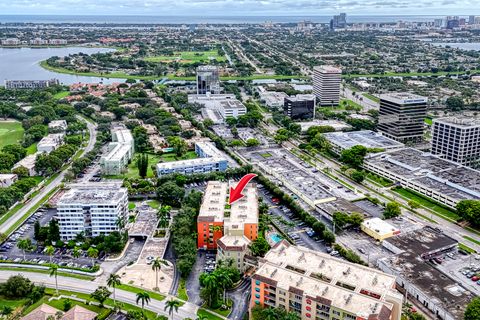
x=60, y=273
x=466, y=248
x=182, y=290
x=207, y=314
x=61, y=95
x=266, y=155
x=11, y=132
x=171, y=156
x=472, y=240
x=32, y=148
x=154, y=204
x=379, y=180
x=131, y=206
x=349, y=104
x=430, y=204
x=102, y=313
x=371, y=97
x=11, y=303
x=188, y=57
x=153, y=295
x=428, y=121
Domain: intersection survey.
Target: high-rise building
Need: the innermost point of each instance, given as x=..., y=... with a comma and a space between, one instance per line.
x=315, y=285
x=120, y=152
x=471, y=20
x=401, y=116
x=457, y=139
x=301, y=106
x=93, y=209
x=228, y=228
x=326, y=85
x=208, y=80
x=338, y=21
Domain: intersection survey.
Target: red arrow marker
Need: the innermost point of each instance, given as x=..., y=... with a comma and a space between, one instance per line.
x=236, y=193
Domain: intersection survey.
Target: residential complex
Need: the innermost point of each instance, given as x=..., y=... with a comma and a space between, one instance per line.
x=301, y=106
x=50, y=142
x=28, y=163
x=208, y=80
x=57, y=126
x=316, y=285
x=401, y=116
x=457, y=139
x=340, y=141
x=444, y=181
x=30, y=84
x=326, y=85
x=120, y=152
x=7, y=179
x=210, y=159
x=92, y=208
x=228, y=228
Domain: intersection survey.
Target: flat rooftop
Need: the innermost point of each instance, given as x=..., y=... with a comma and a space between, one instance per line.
x=380, y=226
x=209, y=148
x=319, y=274
x=452, y=179
x=460, y=122
x=327, y=69
x=366, y=138
x=403, y=98
x=336, y=124
x=232, y=104
x=215, y=207
x=118, y=152
x=302, y=97
x=189, y=163
x=123, y=136
x=93, y=194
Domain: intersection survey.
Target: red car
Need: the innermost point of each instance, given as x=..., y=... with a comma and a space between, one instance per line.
x=275, y=200
x=475, y=278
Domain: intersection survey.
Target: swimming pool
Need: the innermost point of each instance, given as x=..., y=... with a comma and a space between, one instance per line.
x=275, y=237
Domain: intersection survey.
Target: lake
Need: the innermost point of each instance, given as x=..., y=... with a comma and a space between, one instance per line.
x=24, y=64
x=459, y=45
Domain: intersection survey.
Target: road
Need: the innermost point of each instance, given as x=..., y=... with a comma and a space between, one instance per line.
x=241, y=298
x=83, y=286
x=92, y=129
x=365, y=102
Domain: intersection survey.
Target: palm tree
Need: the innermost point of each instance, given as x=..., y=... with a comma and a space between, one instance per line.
x=172, y=306
x=93, y=254
x=225, y=281
x=210, y=282
x=54, y=272
x=24, y=245
x=76, y=252
x=120, y=223
x=270, y=314
x=50, y=250
x=157, y=266
x=144, y=298
x=113, y=281
x=202, y=317
x=6, y=311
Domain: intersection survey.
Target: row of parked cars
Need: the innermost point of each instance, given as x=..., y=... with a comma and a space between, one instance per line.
x=14, y=237
x=210, y=262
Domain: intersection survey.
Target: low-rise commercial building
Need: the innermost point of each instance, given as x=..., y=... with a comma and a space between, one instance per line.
x=28, y=163
x=50, y=142
x=7, y=179
x=424, y=284
x=441, y=180
x=93, y=209
x=218, y=107
x=273, y=99
x=340, y=141
x=120, y=152
x=379, y=229
x=316, y=285
x=228, y=228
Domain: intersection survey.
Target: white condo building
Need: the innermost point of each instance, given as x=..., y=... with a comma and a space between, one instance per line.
x=93, y=208
x=326, y=85
x=120, y=152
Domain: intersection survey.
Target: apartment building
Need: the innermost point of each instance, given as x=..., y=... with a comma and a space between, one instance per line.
x=50, y=142
x=11, y=42
x=208, y=80
x=57, y=126
x=228, y=228
x=28, y=163
x=210, y=160
x=401, y=116
x=120, y=152
x=457, y=139
x=30, y=84
x=92, y=208
x=316, y=285
x=441, y=180
x=301, y=106
x=326, y=85
x=7, y=179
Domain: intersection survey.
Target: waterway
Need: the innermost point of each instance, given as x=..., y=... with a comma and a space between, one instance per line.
x=24, y=64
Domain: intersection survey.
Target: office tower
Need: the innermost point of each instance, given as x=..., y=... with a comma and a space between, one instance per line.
x=457, y=139
x=326, y=85
x=315, y=285
x=471, y=20
x=401, y=116
x=301, y=106
x=208, y=80
x=338, y=21
x=93, y=209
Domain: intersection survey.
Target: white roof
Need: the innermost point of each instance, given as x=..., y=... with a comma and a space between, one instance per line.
x=380, y=226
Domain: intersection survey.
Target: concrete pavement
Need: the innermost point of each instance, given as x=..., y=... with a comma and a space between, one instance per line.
x=51, y=186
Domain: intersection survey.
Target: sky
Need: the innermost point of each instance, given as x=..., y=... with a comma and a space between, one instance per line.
x=239, y=7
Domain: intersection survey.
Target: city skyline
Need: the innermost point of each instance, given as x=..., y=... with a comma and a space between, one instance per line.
x=235, y=8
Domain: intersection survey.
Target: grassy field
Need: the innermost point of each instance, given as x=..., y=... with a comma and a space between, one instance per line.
x=11, y=303
x=349, y=104
x=182, y=291
x=11, y=132
x=32, y=148
x=61, y=95
x=188, y=57
x=472, y=240
x=102, y=313
x=60, y=273
x=169, y=157
x=439, y=209
x=202, y=313
x=371, y=97
x=466, y=248
x=379, y=180
x=428, y=121
x=153, y=295
x=154, y=204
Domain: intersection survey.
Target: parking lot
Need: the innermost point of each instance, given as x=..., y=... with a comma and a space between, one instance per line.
x=465, y=269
